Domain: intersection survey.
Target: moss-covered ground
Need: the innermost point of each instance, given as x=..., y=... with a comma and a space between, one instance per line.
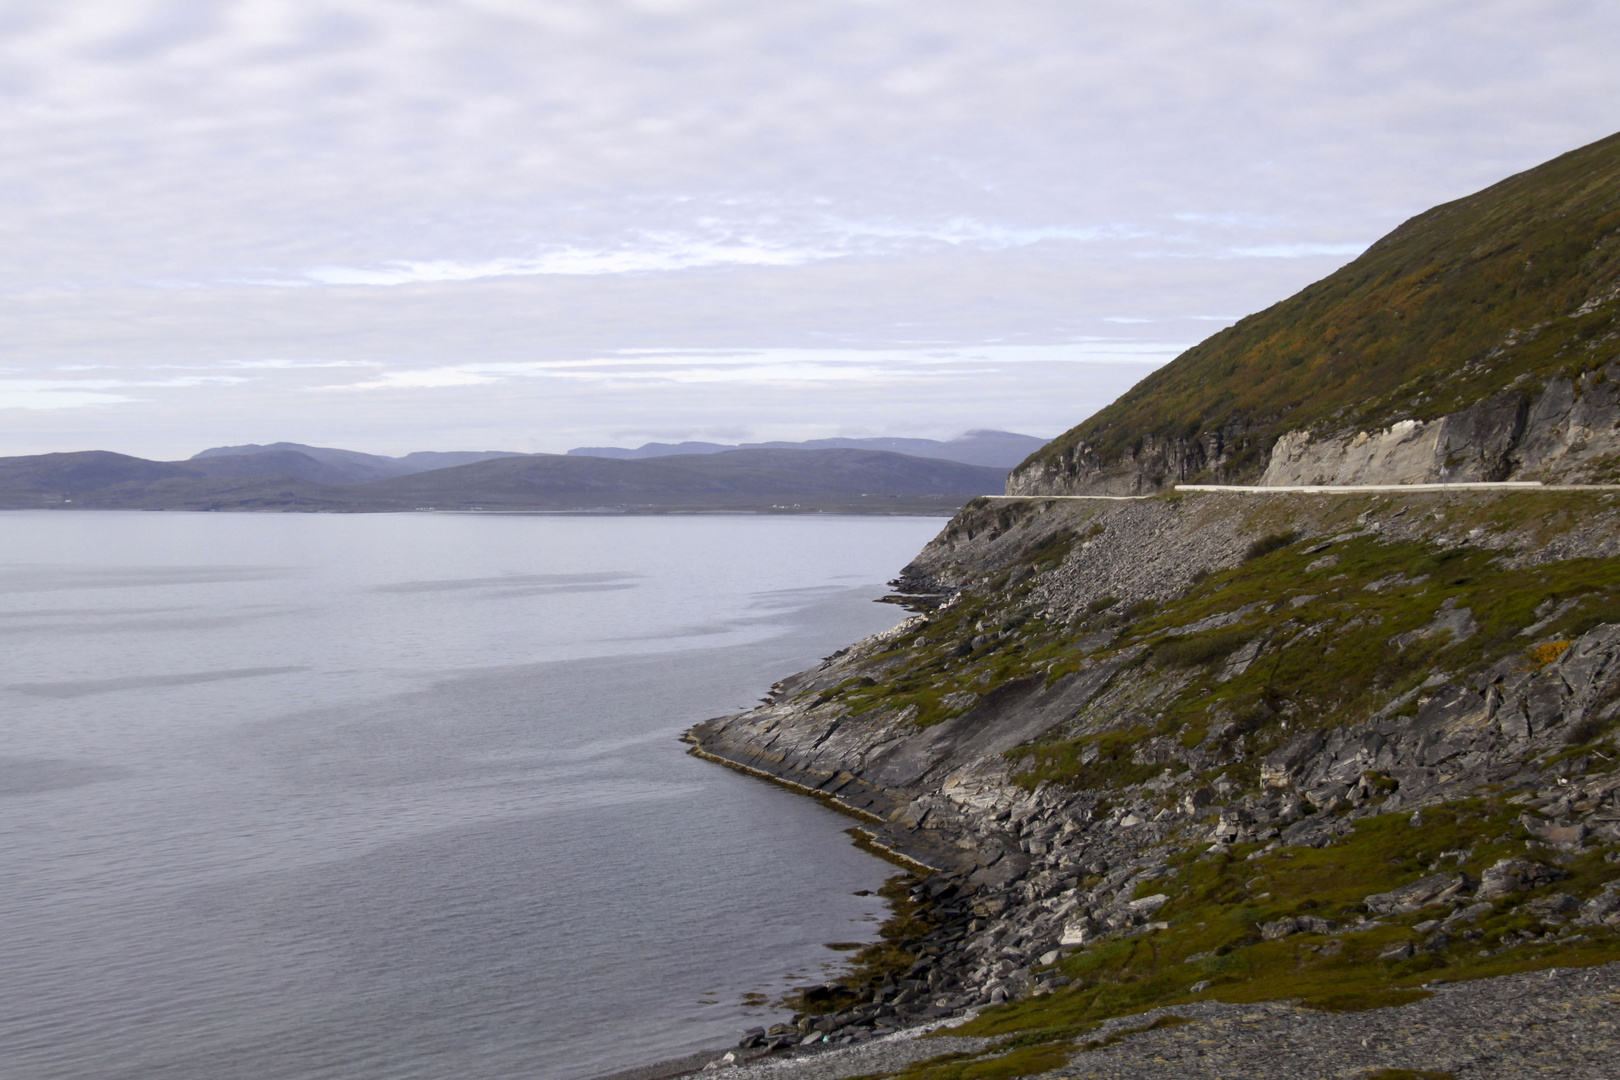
x=1345, y=630
x=1349, y=625
x=1213, y=949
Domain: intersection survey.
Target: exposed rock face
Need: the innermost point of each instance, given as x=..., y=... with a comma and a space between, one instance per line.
x=1517, y=874
x=1569, y=434
x=1154, y=464
x=1023, y=873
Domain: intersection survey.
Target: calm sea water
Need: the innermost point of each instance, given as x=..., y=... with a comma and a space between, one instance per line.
x=398, y=796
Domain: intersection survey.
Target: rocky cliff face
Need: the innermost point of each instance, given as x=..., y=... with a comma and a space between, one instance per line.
x=1138, y=750
x=1566, y=433
x=1569, y=434
x=1154, y=463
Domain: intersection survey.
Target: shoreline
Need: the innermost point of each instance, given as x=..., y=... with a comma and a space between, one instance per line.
x=1208, y=876
x=893, y=1051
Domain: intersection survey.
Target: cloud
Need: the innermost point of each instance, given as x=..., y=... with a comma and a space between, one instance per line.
x=426, y=192
x=1298, y=251
x=43, y=395
x=288, y=364
x=777, y=367
x=50, y=394
x=433, y=379
x=793, y=244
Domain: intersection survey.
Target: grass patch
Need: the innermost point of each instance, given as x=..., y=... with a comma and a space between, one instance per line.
x=1340, y=643
x=892, y=955
x=1095, y=761
x=993, y=1064
x=1269, y=543
x=1218, y=903
x=1547, y=652
x=1199, y=649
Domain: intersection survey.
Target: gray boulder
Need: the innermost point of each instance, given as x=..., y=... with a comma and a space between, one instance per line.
x=1436, y=889
x=1516, y=874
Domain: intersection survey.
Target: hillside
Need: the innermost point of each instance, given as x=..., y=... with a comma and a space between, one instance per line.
x=1489, y=321
x=1221, y=748
x=847, y=481
x=1186, y=752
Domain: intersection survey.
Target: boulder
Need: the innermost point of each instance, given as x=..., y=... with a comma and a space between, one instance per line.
x=1602, y=908
x=1296, y=924
x=1471, y=913
x=1435, y=889
x=1516, y=874
x=1078, y=931
x=1282, y=766
x=1557, y=904
x=1551, y=832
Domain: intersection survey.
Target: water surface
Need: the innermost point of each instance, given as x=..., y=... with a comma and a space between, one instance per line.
x=398, y=796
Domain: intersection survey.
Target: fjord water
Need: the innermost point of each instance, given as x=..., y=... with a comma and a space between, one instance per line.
x=399, y=796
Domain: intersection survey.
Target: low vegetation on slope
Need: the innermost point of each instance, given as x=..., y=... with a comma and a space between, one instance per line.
x=1246, y=861
x=1503, y=290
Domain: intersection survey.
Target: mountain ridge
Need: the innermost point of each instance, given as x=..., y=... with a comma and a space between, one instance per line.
x=356, y=466
x=1002, y=449
x=861, y=481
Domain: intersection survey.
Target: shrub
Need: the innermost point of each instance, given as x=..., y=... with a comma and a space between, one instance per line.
x=1269, y=543
x=1545, y=653
x=1184, y=652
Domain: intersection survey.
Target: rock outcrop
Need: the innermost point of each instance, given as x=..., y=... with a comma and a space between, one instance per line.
x=1100, y=694
x=1569, y=433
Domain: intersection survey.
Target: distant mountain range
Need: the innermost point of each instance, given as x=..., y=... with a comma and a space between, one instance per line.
x=293, y=477
x=342, y=466
x=998, y=449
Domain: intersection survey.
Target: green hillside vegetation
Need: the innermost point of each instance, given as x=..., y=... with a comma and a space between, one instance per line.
x=1502, y=290
x=1214, y=949
x=1344, y=624
x=1332, y=621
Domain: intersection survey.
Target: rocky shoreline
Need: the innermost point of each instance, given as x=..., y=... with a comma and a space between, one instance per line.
x=1014, y=880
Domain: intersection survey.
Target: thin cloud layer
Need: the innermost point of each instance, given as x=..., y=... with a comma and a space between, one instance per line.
x=465, y=201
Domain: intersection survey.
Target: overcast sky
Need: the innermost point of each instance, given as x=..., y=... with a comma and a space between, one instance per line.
x=531, y=225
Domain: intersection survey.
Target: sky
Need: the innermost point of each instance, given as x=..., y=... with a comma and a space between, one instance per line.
x=538, y=224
